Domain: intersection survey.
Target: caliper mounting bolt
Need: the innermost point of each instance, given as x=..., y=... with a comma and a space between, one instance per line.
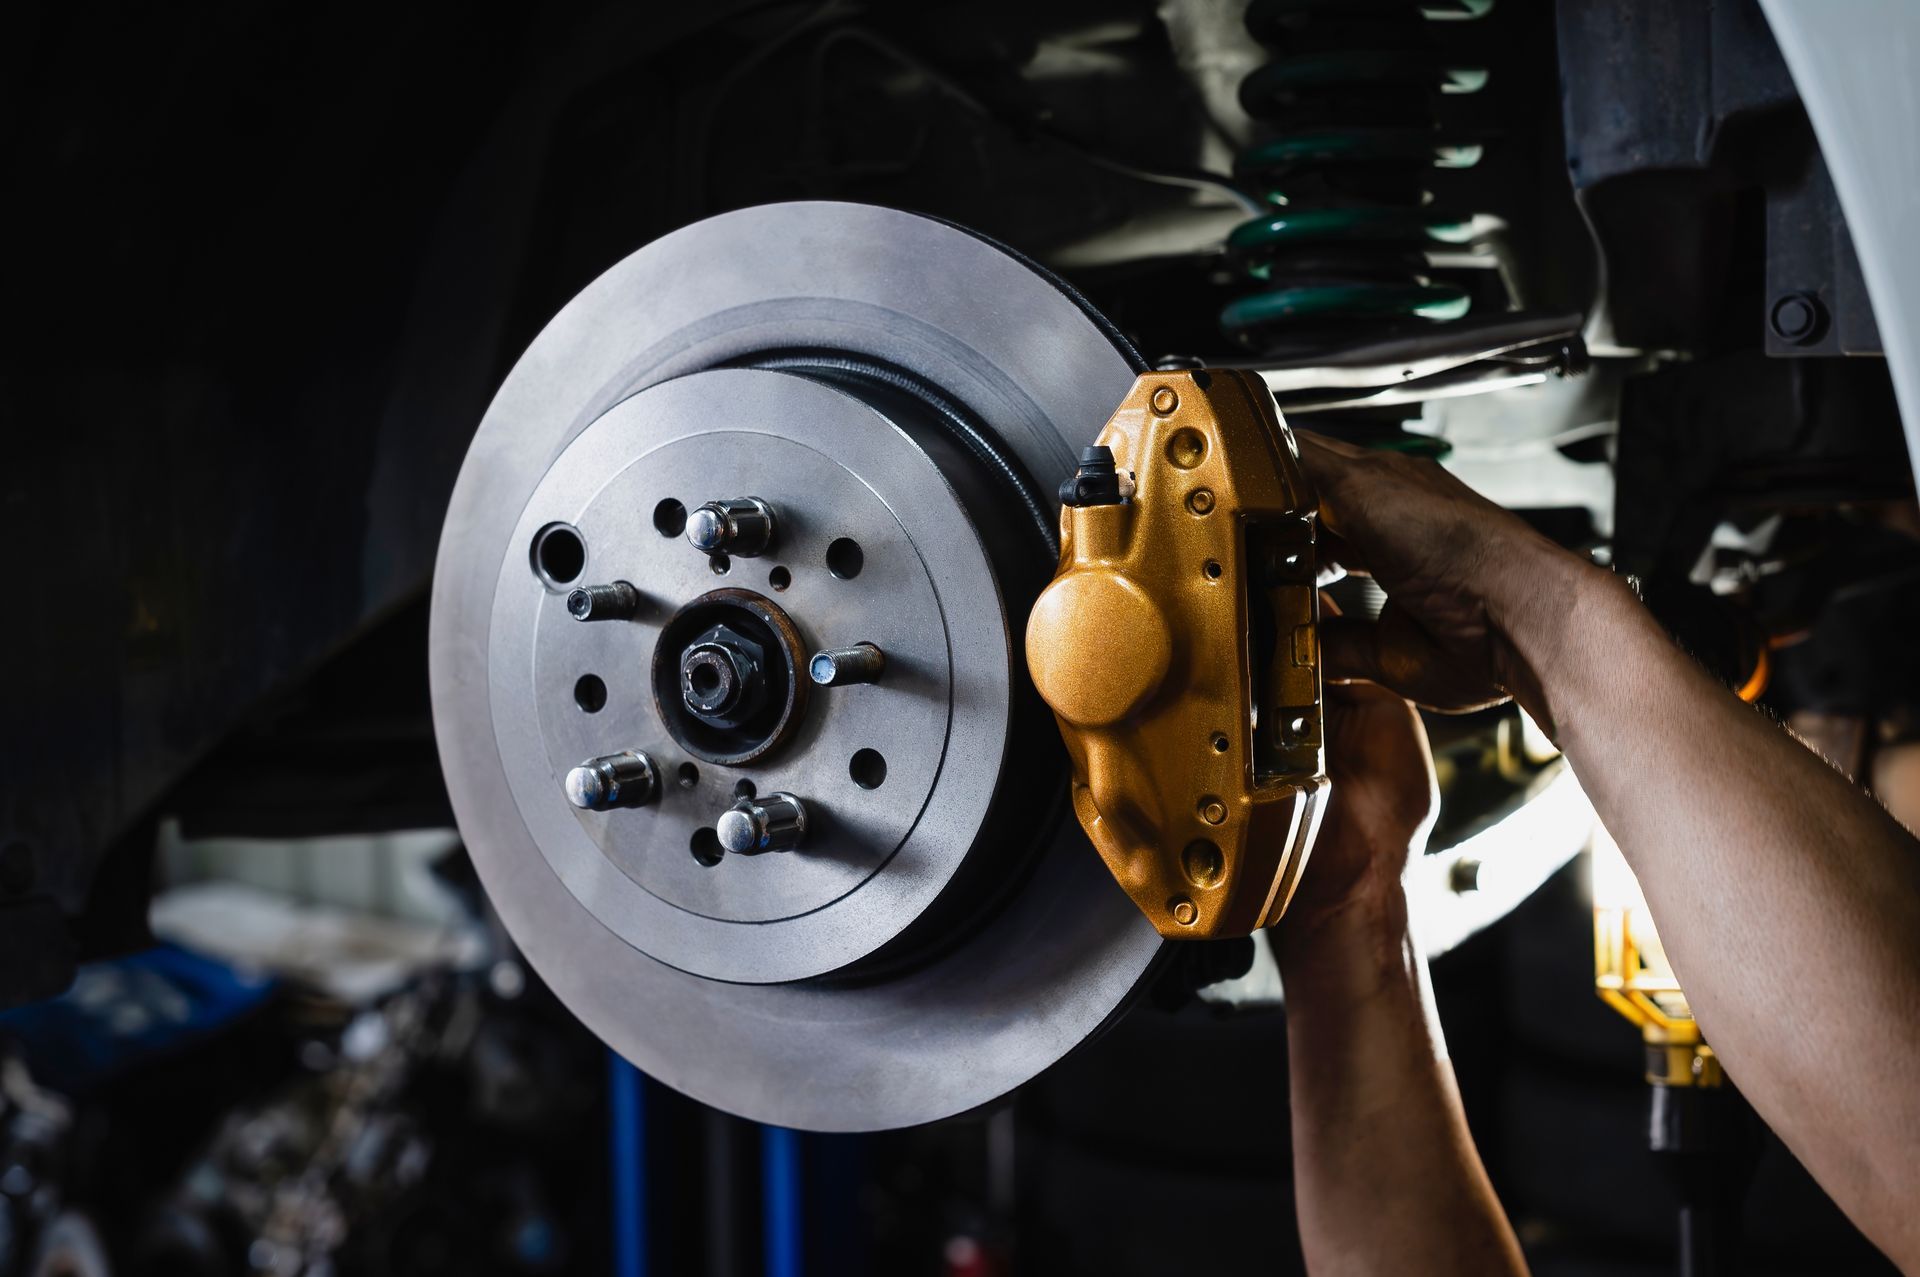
x=841, y=666
x=616, y=602
x=741, y=526
x=626, y=779
x=771, y=822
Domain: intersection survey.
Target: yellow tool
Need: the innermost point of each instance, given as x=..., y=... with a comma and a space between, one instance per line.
x=1630, y=968
x=1632, y=975
x=1178, y=649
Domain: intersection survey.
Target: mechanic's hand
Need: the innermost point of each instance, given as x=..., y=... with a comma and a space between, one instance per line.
x=1448, y=560
x=1382, y=806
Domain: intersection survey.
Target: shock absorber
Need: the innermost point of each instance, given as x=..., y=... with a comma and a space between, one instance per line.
x=1351, y=137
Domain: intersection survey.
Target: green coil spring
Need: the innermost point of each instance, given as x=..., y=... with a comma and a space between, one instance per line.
x=1349, y=140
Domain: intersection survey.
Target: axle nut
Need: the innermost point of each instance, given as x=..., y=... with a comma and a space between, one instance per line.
x=723, y=677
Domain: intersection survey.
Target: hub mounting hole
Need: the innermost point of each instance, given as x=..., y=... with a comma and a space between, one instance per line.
x=868, y=768
x=590, y=693
x=559, y=554
x=780, y=578
x=688, y=776
x=669, y=518
x=705, y=845
x=845, y=558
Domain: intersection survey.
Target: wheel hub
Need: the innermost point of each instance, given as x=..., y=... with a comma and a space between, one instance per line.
x=938, y=720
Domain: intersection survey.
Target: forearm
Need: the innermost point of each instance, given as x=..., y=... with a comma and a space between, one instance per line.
x=1386, y=1179
x=1789, y=901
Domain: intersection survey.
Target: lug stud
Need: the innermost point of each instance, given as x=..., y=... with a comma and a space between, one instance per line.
x=627, y=779
x=616, y=602
x=741, y=526
x=771, y=822
x=840, y=666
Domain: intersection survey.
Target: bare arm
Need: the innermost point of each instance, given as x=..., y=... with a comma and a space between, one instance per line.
x=1386, y=1178
x=1789, y=901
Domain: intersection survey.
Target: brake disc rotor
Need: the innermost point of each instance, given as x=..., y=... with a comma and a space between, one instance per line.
x=888, y=386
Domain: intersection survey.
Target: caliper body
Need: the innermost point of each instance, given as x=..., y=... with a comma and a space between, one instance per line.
x=1177, y=646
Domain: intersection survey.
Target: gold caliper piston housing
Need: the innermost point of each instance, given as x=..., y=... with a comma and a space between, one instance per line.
x=1177, y=647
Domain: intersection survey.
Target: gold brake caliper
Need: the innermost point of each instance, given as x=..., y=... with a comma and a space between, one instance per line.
x=1177, y=647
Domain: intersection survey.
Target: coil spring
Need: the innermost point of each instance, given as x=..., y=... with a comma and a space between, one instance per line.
x=1348, y=105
